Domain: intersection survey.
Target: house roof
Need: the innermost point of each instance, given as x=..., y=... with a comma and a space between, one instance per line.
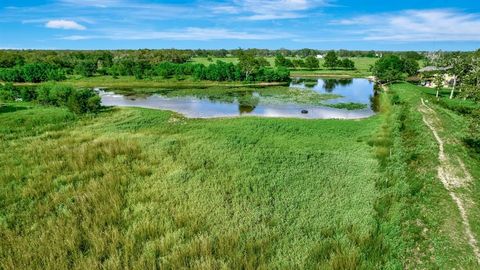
x=433, y=68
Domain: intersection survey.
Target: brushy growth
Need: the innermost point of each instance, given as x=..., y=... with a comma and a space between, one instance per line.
x=79, y=101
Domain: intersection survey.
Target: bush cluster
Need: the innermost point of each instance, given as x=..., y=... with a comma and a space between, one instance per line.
x=35, y=72
x=79, y=101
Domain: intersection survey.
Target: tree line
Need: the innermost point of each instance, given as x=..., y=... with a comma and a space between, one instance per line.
x=250, y=68
x=332, y=61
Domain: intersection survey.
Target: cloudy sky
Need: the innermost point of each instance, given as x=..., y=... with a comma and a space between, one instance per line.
x=321, y=24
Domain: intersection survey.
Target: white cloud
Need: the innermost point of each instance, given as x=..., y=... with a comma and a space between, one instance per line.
x=64, y=24
x=269, y=9
x=417, y=25
x=192, y=33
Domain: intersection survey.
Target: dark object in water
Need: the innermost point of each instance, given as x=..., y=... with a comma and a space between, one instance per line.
x=304, y=111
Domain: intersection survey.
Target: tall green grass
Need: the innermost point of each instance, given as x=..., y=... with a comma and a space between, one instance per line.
x=134, y=188
x=137, y=188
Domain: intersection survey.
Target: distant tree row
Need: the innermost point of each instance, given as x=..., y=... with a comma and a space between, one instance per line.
x=68, y=59
x=246, y=70
x=332, y=61
x=311, y=62
x=79, y=101
x=249, y=68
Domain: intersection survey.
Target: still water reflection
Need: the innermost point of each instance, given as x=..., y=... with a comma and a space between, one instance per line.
x=254, y=104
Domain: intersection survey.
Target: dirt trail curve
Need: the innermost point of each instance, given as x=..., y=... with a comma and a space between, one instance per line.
x=453, y=177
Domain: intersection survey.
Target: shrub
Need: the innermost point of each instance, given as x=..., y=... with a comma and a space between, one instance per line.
x=77, y=100
x=86, y=68
x=83, y=101
x=35, y=72
x=11, y=75
x=8, y=92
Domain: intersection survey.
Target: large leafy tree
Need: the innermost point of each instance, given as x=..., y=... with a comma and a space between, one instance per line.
x=311, y=62
x=331, y=60
x=282, y=61
x=410, y=66
x=248, y=63
x=347, y=63
x=389, y=68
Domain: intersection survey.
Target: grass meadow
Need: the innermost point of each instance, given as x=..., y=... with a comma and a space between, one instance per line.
x=147, y=189
x=138, y=188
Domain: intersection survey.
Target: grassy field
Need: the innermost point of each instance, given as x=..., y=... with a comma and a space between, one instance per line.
x=138, y=188
x=144, y=188
x=433, y=227
x=362, y=65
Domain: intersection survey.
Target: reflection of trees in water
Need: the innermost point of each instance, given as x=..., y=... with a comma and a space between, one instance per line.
x=245, y=109
x=247, y=102
x=330, y=84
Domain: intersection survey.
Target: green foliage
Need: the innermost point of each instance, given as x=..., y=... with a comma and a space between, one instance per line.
x=79, y=101
x=8, y=92
x=298, y=63
x=347, y=63
x=86, y=68
x=263, y=62
x=282, y=61
x=83, y=101
x=389, y=68
x=311, y=62
x=54, y=94
x=331, y=60
x=35, y=73
x=410, y=66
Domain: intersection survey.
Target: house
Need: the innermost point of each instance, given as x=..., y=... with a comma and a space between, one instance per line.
x=320, y=56
x=428, y=73
x=433, y=69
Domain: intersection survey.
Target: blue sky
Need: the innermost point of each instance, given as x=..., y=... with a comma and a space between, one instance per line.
x=293, y=24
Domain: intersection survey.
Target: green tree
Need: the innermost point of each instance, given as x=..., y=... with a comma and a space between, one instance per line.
x=298, y=63
x=388, y=69
x=86, y=68
x=460, y=67
x=331, y=60
x=438, y=81
x=263, y=62
x=410, y=66
x=8, y=92
x=282, y=61
x=311, y=62
x=248, y=63
x=347, y=63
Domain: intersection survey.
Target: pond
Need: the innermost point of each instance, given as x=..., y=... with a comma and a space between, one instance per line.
x=304, y=98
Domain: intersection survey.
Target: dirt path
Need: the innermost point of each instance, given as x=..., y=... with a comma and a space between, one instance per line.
x=453, y=177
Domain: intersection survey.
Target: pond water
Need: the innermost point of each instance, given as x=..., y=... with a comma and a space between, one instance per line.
x=254, y=102
x=352, y=90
